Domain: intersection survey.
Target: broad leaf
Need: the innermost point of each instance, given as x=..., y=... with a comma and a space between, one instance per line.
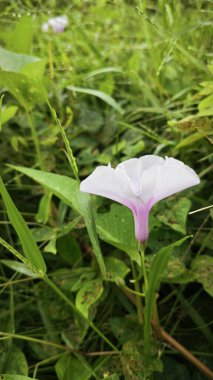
x=202, y=267
x=117, y=228
x=115, y=269
x=16, y=362
x=69, y=366
x=22, y=87
x=88, y=296
x=21, y=63
x=19, y=39
x=174, y=214
x=67, y=189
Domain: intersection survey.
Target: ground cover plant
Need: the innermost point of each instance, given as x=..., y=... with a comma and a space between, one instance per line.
x=85, y=84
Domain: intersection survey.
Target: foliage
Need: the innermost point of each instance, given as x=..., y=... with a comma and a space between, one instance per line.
x=125, y=78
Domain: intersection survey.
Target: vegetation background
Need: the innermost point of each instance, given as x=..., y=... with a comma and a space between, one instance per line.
x=126, y=78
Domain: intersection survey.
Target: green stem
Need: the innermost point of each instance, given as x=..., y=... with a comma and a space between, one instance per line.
x=75, y=309
x=35, y=140
x=132, y=291
x=69, y=152
x=141, y=251
x=6, y=336
x=138, y=297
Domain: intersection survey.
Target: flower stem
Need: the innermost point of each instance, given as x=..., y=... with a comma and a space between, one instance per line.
x=141, y=249
x=138, y=297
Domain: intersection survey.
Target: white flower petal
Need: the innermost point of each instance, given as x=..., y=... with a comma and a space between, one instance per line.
x=110, y=183
x=136, y=167
x=172, y=177
x=131, y=168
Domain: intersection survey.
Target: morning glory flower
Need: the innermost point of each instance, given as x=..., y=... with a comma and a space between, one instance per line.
x=139, y=183
x=56, y=24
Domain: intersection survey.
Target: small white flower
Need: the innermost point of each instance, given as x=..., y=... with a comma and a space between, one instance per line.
x=139, y=183
x=56, y=24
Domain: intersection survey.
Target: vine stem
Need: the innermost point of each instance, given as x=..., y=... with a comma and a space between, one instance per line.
x=138, y=297
x=54, y=287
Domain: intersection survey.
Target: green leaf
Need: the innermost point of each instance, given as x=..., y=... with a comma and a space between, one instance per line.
x=8, y=113
x=44, y=209
x=22, y=87
x=85, y=203
x=189, y=140
x=16, y=362
x=88, y=296
x=30, y=248
x=19, y=39
x=115, y=269
x=116, y=227
x=69, y=366
x=134, y=365
x=175, y=214
x=63, y=187
x=19, y=267
x=125, y=327
x=206, y=103
x=69, y=249
x=99, y=94
x=21, y=63
x=75, y=279
x=156, y=272
x=102, y=71
x=67, y=189
x=202, y=267
x=177, y=273
x=51, y=246
x=43, y=233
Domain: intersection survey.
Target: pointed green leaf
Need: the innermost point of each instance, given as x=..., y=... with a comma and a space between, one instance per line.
x=8, y=113
x=30, y=248
x=19, y=267
x=99, y=94
x=21, y=63
x=67, y=189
